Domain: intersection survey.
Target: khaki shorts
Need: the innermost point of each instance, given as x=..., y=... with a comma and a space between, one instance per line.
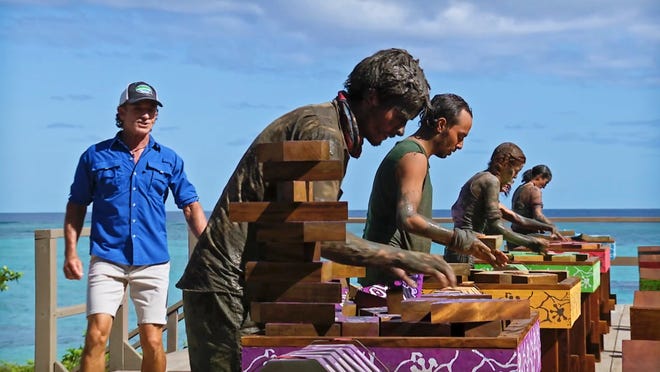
x=106, y=287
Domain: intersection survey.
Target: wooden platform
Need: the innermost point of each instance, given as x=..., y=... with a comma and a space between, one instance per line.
x=611, y=357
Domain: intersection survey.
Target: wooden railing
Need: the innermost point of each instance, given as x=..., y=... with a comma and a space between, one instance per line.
x=122, y=354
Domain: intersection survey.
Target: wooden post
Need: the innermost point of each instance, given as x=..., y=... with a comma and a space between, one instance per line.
x=45, y=335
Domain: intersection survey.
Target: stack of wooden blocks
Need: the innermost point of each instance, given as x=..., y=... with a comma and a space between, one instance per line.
x=292, y=291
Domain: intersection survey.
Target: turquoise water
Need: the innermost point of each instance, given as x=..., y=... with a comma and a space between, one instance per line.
x=17, y=252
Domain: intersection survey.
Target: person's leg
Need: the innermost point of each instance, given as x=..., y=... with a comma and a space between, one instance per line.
x=153, y=355
x=213, y=327
x=106, y=285
x=96, y=338
x=148, y=288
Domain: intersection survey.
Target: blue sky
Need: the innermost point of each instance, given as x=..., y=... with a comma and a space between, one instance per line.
x=575, y=83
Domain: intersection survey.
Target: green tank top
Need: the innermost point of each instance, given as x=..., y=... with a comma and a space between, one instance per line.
x=381, y=224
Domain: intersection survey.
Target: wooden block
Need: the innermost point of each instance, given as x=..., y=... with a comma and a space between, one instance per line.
x=534, y=278
x=372, y=311
x=367, y=300
x=289, y=272
x=640, y=355
x=349, y=308
x=478, y=329
x=492, y=241
x=296, y=292
x=653, y=249
x=293, y=151
x=288, y=212
x=303, y=329
x=360, y=326
x=468, y=310
x=289, y=252
x=561, y=274
x=318, y=170
x=347, y=271
x=651, y=274
x=293, y=312
x=645, y=316
x=453, y=294
x=461, y=270
x=492, y=277
x=397, y=327
x=393, y=299
x=295, y=191
x=560, y=257
x=528, y=258
x=309, y=231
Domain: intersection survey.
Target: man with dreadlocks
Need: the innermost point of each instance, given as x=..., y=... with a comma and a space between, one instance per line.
x=400, y=205
x=478, y=206
x=382, y=93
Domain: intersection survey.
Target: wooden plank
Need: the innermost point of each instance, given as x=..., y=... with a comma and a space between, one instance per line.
x=349, y=308
x=528, y=258
x=560, y=257
x=293, y=312
x=303, y=329
x=295, y=191
x=288, y=212
x=397, y=327
x=289, y=252
x=492, y=277
x=464, y=310
x=454, y=294
x=561, y=274
x=319, y=170
x=293, y=151
x=478, y=329
x=306, y=231
x=294, y=292
x=534, y=278
x=509, y=339
x=359, y=326
x=289, y=272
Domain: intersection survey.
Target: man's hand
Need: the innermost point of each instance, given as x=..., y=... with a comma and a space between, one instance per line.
x=423, y=263
x=494, y=257
x=73, y=268
x=538, y=245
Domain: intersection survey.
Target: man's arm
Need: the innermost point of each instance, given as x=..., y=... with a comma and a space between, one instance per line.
x=410, y=174
x=195, y=217
x=73, y=223
x=361, y=252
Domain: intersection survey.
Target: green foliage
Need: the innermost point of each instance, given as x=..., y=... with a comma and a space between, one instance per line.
x=11, y=367
x=7, y=275
x=72, y=357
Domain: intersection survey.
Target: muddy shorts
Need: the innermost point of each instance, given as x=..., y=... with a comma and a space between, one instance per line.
x=215, y=323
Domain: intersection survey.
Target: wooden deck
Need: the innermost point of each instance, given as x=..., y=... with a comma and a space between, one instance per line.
x=620, y=330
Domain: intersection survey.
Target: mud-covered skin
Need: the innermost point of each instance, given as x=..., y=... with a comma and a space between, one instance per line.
x=478, y=209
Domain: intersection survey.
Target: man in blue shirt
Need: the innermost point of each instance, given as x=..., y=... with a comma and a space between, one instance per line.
x=128, y=179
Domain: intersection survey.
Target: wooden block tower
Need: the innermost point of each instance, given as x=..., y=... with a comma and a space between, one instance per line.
x=291, y=289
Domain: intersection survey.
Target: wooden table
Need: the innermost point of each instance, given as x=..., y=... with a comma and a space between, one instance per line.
x=517, y=348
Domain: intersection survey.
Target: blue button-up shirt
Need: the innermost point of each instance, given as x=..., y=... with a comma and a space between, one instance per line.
x=128, y=211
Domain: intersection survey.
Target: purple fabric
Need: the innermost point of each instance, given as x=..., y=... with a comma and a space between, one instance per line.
x=525, y=358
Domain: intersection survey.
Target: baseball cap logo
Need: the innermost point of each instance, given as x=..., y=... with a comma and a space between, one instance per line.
x=144, y=89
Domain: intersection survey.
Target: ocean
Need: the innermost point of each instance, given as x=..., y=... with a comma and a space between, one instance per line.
x=17, y=303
